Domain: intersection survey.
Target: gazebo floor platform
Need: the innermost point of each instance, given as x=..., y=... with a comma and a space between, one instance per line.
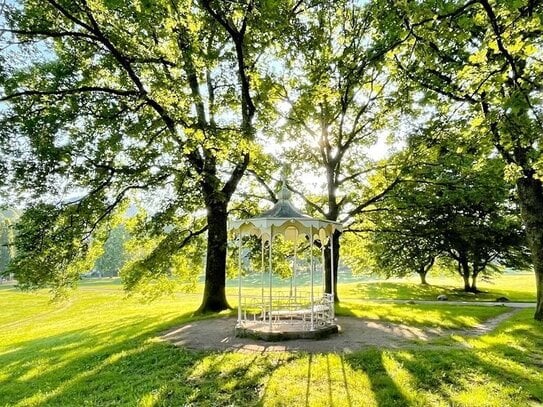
x=283, y=331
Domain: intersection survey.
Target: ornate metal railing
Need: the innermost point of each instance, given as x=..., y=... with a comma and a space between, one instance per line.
x=287, y=309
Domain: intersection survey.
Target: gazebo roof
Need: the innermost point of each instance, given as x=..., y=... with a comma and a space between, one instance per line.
x=283, y=208
x=284, y=218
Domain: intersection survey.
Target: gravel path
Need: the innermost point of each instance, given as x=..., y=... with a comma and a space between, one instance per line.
x=355, y=333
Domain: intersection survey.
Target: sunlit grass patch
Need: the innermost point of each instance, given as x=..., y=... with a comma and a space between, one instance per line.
x=442, y=316
x=515, y=287
x=318, y=380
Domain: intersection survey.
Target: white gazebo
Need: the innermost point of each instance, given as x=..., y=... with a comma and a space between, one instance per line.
x=296, y=312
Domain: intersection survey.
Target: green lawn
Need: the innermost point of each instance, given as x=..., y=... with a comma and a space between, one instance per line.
x=100, y=349
x=423, y=315
x=516, y=287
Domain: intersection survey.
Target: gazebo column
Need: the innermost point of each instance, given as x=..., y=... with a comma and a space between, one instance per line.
x=294, y=265
x=239, y=278
x=332, y=276
x=312, y=280
x=291, y=281
x=271, y=280
x=263, y=270
x=323, y=269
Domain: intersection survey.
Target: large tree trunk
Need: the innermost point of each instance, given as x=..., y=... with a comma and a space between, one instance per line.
x=467, y=286
x=463, y=269
x=422, y=274
x=328, y=266
x=424, y=269
x=214, y=299
x=530, y=192
x=474, y=282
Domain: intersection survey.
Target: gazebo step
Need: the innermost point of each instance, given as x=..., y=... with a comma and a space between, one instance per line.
x=284, y=332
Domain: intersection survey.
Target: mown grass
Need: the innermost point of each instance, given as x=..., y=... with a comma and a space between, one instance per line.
x=100, y=349
x=423, y=315
x=519, y=287
x=515, y=287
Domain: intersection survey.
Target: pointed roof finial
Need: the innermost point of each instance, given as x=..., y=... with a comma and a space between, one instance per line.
x=284, y=194
x=284, y=174
x=283, y=208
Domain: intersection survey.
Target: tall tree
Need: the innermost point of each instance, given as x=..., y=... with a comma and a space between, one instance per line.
x=337, y=104
x=485, y=56
x=7, y=251
x=453, y=204
x=114, y=256
x=118, y=97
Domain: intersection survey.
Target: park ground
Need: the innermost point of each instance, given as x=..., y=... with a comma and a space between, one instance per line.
x=99, y=348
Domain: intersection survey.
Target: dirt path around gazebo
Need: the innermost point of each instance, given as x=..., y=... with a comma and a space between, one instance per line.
x=355, y=333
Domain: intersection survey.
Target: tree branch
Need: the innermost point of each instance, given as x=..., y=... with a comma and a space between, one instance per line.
x=191, y=235
x=63, y=92
x=48, y=33
x=123, y=61
x=307, y=201
x=372, y=200
x=261, y=181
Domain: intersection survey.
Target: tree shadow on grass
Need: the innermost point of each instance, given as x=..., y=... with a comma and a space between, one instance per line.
x=233, y=378
x=44, y=363
x=455, y=377
x=412, y=291
x=344, y=310
x=384, y=388
x=330, y=379
x=135, y=367
x=124, y=364
x=466, y=378
x=501, y=368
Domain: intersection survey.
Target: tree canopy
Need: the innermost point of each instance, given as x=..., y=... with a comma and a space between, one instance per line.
x=149, y=97
x=452, y=203
x=172, y=103
x=481, y=60
x=337, y=104
x=7, y=238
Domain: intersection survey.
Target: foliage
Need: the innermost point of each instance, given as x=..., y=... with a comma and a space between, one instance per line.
x=454, y=203
x=165, y=101
x=114, y=256
x=48, y=240
x=337, y=106
x=479, y=60
x=287, y=258
x=119, y=99
x=7, y=250
x=154, y=267
x=338, y=100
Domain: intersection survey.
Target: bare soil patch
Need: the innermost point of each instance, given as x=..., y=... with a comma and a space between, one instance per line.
x=354, y=334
